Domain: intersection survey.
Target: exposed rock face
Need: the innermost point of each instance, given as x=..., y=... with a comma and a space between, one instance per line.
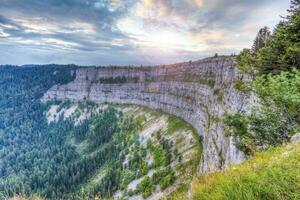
x=296, y=138
x=199, y=92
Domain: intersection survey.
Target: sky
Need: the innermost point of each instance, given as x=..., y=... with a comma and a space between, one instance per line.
x=129, y=32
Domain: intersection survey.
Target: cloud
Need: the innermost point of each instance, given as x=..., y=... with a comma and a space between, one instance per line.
x=129, y=31
x=198, y=3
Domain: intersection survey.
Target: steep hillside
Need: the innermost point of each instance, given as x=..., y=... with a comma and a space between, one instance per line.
x=155, y=152
x=27, y=147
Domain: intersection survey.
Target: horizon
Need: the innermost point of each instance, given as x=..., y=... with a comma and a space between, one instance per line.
x=122, y=33
x=129, y=65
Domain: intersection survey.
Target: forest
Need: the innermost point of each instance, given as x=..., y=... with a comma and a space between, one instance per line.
x=30, y=154
x=34, y=155
x=60, y=159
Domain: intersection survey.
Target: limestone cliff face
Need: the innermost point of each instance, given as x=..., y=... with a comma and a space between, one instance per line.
x=199, y=92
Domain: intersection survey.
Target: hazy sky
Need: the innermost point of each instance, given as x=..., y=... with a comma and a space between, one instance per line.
x=103, y=32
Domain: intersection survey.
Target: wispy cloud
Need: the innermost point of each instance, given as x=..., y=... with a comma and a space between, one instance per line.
x=129, y=32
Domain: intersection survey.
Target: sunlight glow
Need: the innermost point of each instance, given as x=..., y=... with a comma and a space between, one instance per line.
x=166, y=39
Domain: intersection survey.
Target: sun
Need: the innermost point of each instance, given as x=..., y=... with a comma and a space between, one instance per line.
x=166, y=39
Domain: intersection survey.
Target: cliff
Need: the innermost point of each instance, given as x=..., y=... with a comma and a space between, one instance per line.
x=199, y=92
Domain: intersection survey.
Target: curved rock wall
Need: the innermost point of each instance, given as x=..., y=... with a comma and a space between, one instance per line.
x=199, y=92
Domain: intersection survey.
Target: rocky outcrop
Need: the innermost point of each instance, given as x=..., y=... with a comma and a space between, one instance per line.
x=296, y=138
x=199, y=92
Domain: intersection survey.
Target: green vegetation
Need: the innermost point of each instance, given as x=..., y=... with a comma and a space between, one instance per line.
x=37, y=157
x=164, y=177
x=237, y=126
x=146, y=187
x=246, y=61
x=283, y=89
x=187, y=171
x=30, y=161
x=161, y=152
x=68, y=159
x=260, y=130
x=274, y=63
x=268, y=175
x=180, y=193
x=104, y=153
x=242, y=86
x=177, y=124
x=117, y=80
x=220, y=94
x=280, y=51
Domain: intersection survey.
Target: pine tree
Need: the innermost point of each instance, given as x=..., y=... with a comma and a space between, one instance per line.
x=261, y=39
x=295, y=7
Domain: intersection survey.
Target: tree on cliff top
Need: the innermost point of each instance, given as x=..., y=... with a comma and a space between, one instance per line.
x=281, y=52
x=295, y=7
x=261, y=39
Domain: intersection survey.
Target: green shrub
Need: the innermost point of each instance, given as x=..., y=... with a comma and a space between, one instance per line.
x=262, y=129
x=127, y=177
x=277, y=85
x=167, y=181
x=283, y=89
x=246, y=61
x=242, y=86
x=159, y=157
x=237, y=126
x=146, y=187
x=130, y=192
x=270, y=127
x=164, y=177
x=219, y=93
x=278, y=117
x=144, y=168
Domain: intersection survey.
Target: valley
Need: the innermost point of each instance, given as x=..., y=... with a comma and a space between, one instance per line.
x=225, y=127
x=81, y=150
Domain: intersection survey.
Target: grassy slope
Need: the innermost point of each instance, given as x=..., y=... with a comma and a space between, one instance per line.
x=274, y=174
x=190, y=168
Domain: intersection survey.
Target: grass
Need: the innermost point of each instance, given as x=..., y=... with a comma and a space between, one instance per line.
x=177, y=124
x=180, y=193
x=270, y=175
x=187, y=170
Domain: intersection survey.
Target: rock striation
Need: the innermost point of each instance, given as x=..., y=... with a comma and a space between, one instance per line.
x=199, y=92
